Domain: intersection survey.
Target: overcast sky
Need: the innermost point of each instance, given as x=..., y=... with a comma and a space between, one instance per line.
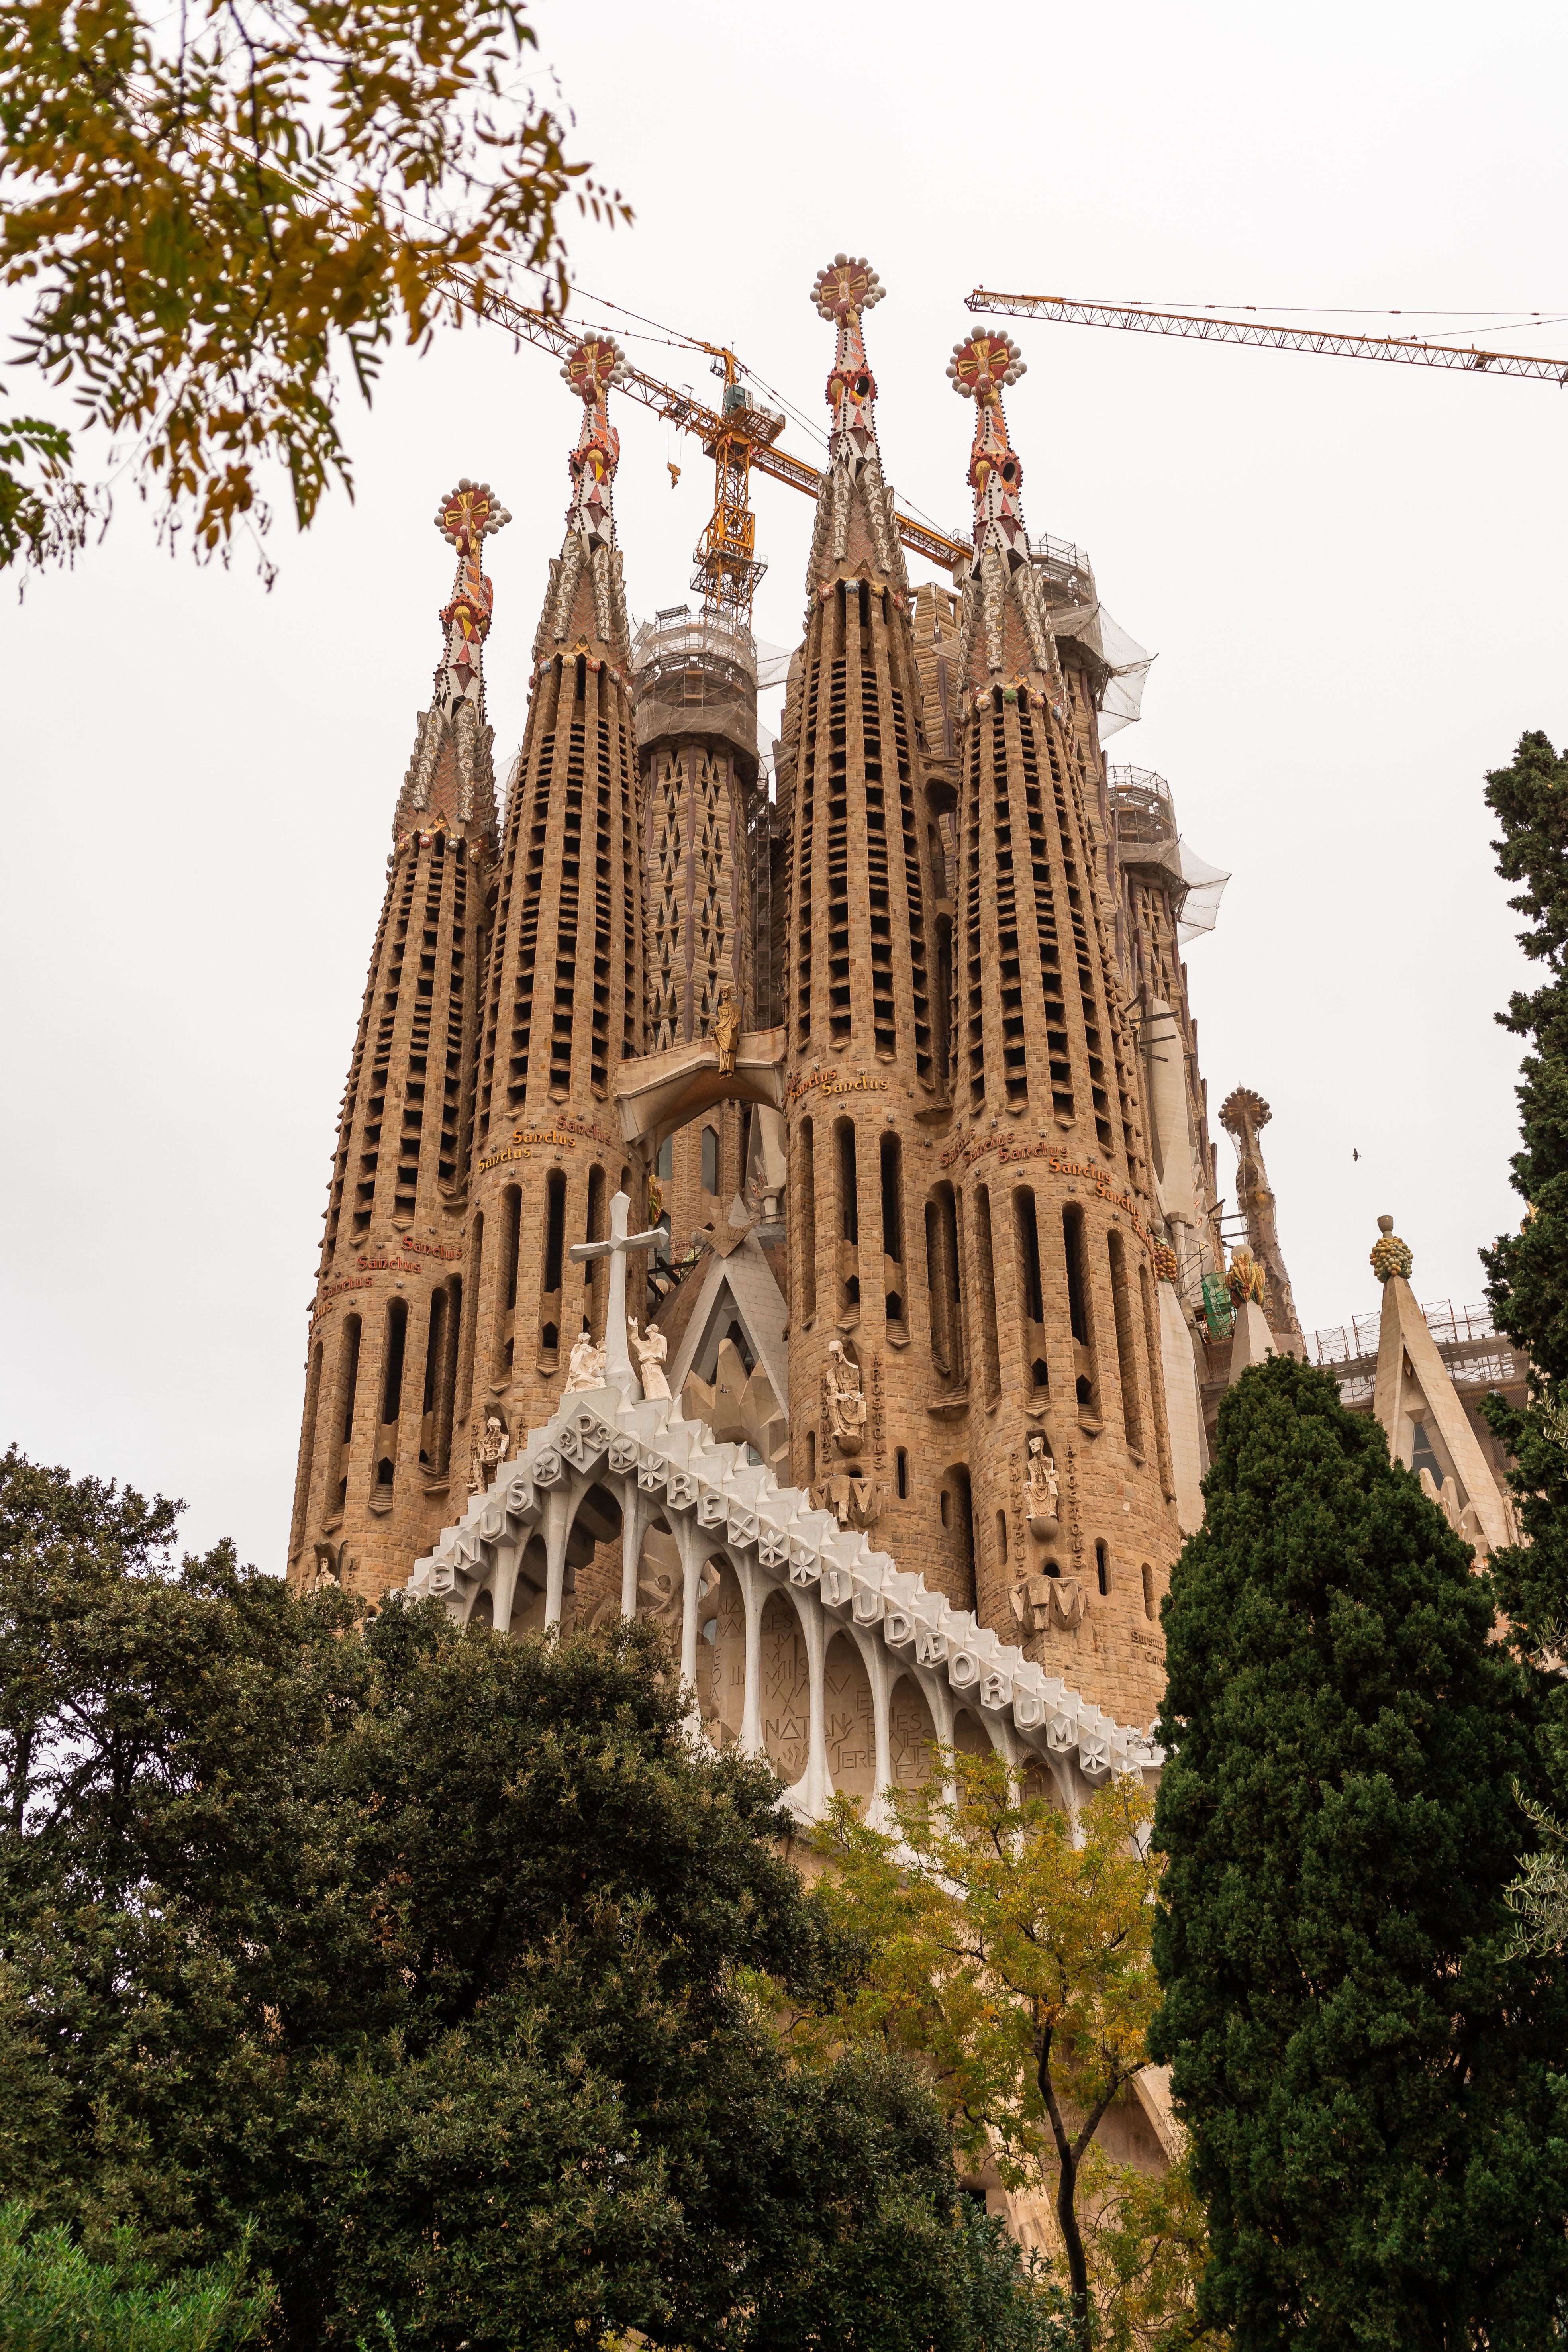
x=1351, y=576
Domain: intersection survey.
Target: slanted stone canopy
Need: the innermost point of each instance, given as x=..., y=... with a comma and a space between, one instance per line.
x=602, y=1448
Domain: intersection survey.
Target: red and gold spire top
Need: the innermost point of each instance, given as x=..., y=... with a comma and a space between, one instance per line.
x=597, y=362
x=844, y=292
x=1005, y=638
x=466, y=518
x=586, y=607
x=979, y=367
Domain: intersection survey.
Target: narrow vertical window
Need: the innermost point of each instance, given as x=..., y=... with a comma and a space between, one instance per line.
x=807, y=1221
x=985, y=1296
x=1126, y=1345
x=429, y=1403
x=506, y=1279
x=901, y=1472
x=891, y=1161
x=1103, y=1568
x=595, y=1283
x=1085, y=1377
x=1002, y=1536
x=1149, y=1609
x=465, y=1352
x=848, y=1218
x=392, y=1380
x=307, y=1450
x=446, y=1393
x=552, y=1255
x=1031, y=1293
x=710, y=1160
x=349, y=1379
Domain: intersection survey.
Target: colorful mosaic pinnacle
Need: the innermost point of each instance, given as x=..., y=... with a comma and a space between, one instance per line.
x=1004, y=615
x=597, y=362
x=466, y=518
x=844, y=292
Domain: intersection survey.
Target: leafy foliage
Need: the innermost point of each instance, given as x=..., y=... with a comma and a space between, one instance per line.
x=432, y=1959
x=1367, y=2072
x=1527, y=1272
x=1008, y=1945
x=219, y=213
x=52, y=2299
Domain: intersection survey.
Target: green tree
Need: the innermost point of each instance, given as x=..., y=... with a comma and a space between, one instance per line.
x=1367, y=2075
x=1527, y=1272
x=437, y=1961
x=1008, y=1945
x=52, y=2299
x=220, y=210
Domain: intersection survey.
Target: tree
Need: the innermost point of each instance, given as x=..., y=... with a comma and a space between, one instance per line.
x=1368, y=2077
x=436, y=1962
x=220, y=212
x=1008, y=1945
x=1527, y=1272
x=52, y=2299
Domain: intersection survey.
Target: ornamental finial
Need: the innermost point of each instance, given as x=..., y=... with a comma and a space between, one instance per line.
x=595, y=363
x=843, y=293
x=466, y=518
x=1390, y=1255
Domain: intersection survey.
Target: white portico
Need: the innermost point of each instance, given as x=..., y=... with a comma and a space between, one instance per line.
x=821, y=1621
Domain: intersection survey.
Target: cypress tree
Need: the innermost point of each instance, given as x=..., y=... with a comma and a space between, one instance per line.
x=1528, y=1271
x=1365, y=2069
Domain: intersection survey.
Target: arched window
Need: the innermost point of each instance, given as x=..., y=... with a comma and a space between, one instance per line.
x=710, y=1160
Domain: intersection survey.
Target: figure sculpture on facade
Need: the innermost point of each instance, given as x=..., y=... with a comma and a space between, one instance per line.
x=1044, y=1491
x=725, y=1029
x=651, y=1348
x=487, y=1453
x=586, y=1367
x=842, y=1399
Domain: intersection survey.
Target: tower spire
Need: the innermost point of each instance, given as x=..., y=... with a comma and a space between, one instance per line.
x=853, y=491
x=466, y=518
x=590, y=560
x=1006, y=638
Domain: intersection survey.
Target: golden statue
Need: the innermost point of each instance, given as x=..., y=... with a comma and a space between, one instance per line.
x=725, y=1029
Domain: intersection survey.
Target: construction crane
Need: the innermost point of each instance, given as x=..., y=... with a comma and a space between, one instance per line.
x=1206, y=328
x=741, y=436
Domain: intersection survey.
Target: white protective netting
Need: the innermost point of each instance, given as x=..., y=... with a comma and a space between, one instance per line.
x=1148, y=839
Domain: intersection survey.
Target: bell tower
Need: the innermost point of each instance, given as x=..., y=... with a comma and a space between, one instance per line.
x=564, y=996
x=382, y=1396
x=1067, y=1445
x=866, y=1065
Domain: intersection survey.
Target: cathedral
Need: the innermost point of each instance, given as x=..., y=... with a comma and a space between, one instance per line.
x=777, y=1197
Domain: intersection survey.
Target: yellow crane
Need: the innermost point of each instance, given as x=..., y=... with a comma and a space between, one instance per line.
x=1205, y=326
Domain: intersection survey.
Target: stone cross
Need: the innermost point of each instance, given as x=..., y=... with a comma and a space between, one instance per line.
x=618, y=1372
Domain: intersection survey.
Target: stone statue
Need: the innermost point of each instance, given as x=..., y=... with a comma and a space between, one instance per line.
x=1044, y=1492
x=842, y=1399
x=725, y=1028
x=586, y=1367
x=651, y=1348
x=487, y=1453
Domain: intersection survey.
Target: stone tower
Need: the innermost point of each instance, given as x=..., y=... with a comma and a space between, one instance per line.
x=382, y=1395
x=1056, y=1298
x=696, y=736
x=857, y=1003
x=563, y=992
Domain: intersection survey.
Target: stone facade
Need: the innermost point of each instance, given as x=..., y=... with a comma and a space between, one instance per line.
x=968, y=1122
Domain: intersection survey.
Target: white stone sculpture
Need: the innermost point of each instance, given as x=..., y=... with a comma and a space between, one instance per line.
x=843, y=1398
x=586, y=1367
x=651, y=1348
x=487, y=1453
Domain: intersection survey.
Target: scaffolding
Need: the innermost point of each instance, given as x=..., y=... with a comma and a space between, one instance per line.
x=1148, y=845
x=1477, y=1354
x=697, y=676
x=1118, y=666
